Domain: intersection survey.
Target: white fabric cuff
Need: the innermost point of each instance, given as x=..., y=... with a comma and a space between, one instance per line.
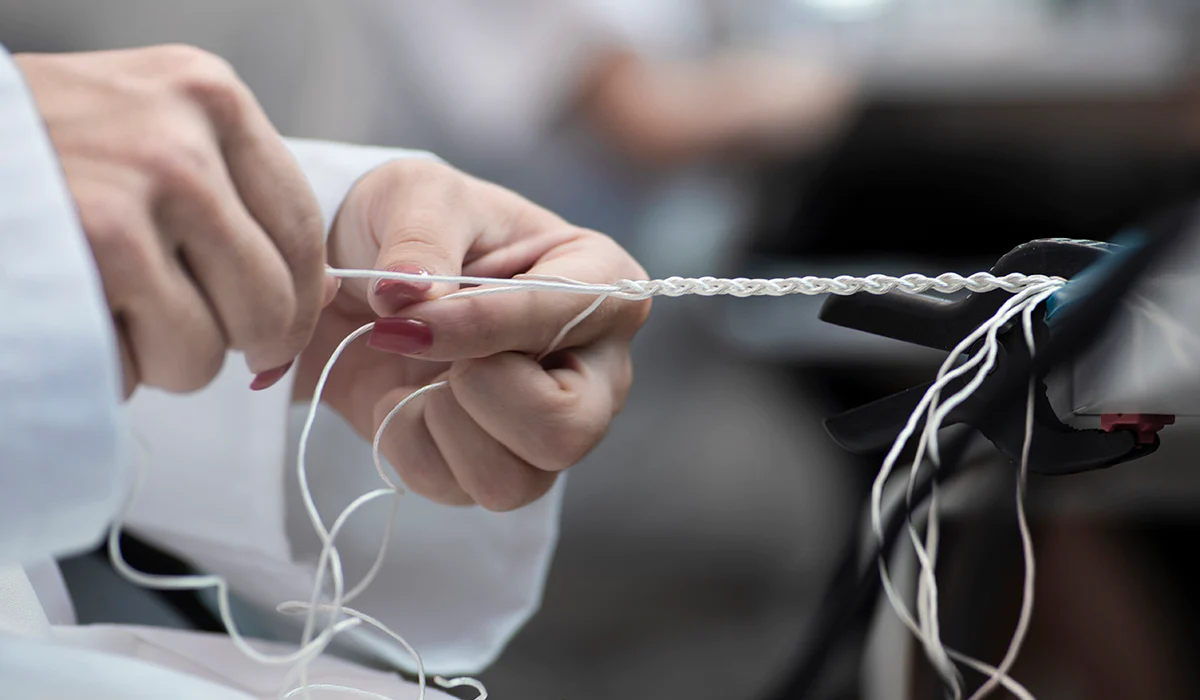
x=61, y=447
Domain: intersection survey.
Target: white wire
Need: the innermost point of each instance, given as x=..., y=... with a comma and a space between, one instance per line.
x=1023, y=286
x=843, y=285
x=460, y=682
x=1023, y=526
x=329, y=554
x=926, y=630
x=929, y=614
x=199, y=582
x=1023, y=303
x=1027, y=589
x=332, y=687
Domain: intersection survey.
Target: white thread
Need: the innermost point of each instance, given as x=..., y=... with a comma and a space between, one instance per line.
x=1022, y=285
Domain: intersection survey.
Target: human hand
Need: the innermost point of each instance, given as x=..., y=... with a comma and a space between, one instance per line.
x=735, y=104
x=786, y=103
x=205, y=232
x=507, y=423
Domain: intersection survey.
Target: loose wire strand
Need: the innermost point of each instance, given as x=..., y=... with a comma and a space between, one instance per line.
x=1022, y=522
x=313, y=642
x=200, y=582
x=1027, y=553
x=938, y=412
x=926, y=630
x=329, y=555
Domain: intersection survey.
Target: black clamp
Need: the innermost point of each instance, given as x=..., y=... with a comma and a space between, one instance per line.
x=937, y=323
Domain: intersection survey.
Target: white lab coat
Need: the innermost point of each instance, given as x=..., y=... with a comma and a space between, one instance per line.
x=220, y=493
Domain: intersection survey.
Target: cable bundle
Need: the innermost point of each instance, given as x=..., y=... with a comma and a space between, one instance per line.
x=326, y=617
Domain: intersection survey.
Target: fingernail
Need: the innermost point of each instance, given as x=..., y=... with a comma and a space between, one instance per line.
x=402, y=336
x=397, y=294
x=268, y=379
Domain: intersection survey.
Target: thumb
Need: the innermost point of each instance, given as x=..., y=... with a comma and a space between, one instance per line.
x=332, y=286
x=417, y=250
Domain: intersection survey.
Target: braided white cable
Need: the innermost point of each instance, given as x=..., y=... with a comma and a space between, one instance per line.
x=842, y=285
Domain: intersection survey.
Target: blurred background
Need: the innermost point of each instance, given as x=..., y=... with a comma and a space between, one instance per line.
x=765, y=138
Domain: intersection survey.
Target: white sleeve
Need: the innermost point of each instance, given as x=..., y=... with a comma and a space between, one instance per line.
x=458, y=582
x=62, y=475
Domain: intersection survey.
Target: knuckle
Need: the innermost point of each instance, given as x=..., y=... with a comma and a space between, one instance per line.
x=306, y=242
x=187, y=370
x=569, y=431
x=430, y=479
x=272, y=320
x=212, y=82
x=475, y=328
x=419, y=234
x=200, y=370
x=177, y=158
x=633, y=314
x=123, y=251
x=502, y=495
x=177, y=56
x=424, y=172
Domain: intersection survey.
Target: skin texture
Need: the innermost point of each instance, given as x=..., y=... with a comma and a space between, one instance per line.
x=205, y=232
x=507, y=424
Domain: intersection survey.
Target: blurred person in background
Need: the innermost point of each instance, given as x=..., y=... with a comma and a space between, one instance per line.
x=602, y=110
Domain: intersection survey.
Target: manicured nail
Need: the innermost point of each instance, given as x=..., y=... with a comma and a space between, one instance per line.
x=402, y=336
x=268, y=379
x=397, y=294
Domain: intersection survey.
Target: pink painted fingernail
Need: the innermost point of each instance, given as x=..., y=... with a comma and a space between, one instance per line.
x=397, y=294
x=402, y=336
x=268, y=379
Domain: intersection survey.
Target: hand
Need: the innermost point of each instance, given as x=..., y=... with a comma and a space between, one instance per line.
x=731, y=105
x=205, y=232
x=506, y=424
x=789, y=104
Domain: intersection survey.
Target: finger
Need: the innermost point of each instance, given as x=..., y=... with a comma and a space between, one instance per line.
x=172, y=337
x=332, y=286
x=550, y=419
x=175, y=340
x=236, y=265
x=410, y=448
x=423, y=226
x=274, y=191
x=523, y=321
x=489, y=472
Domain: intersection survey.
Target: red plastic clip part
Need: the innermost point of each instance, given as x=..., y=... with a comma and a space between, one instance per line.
x=1144, y=425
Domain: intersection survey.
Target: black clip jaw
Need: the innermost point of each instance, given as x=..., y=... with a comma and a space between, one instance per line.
x=936, y=323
